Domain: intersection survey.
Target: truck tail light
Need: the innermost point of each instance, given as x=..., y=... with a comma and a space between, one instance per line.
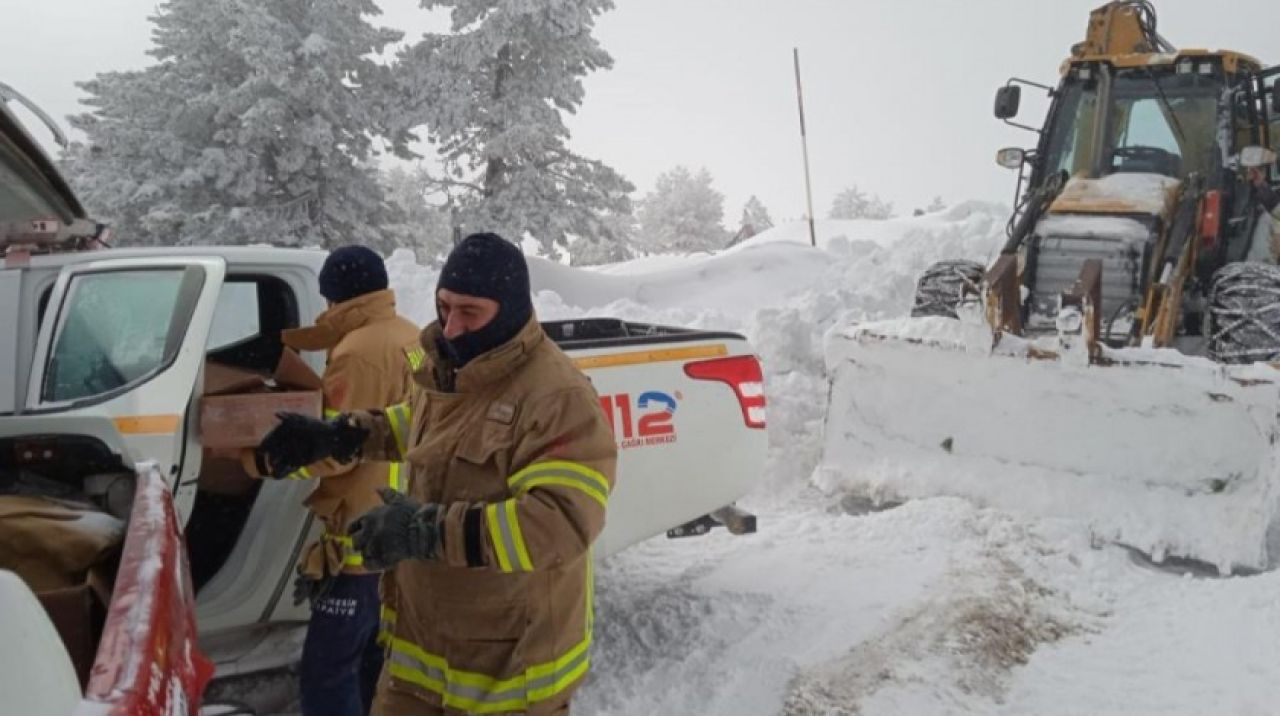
x=1210, y=218
x=743, y=375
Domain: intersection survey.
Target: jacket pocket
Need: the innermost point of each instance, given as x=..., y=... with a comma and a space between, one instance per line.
x=486, y=638
x=479, y=469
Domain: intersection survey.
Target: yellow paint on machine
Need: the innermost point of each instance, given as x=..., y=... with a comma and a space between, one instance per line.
x=613, y=360
x=147, y=424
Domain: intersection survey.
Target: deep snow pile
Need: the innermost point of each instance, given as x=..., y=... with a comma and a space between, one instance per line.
x=1126, y=446
x=935, y=607
x=774, y=288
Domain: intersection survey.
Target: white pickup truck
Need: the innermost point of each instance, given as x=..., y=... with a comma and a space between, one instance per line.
x=103, y=356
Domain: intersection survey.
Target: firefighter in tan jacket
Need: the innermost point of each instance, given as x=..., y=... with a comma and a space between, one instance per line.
x=489, y=607
x=366, y=368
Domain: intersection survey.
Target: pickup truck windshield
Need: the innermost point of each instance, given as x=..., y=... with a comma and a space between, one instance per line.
x=116, y=329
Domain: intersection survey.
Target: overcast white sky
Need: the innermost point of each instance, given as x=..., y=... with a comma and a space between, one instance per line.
x=897, y=94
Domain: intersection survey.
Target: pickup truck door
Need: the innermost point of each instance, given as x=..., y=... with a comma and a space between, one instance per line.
x=123, y=345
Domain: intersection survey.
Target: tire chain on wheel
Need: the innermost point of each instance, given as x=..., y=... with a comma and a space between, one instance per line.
x=1244, y=313
x=941, y=287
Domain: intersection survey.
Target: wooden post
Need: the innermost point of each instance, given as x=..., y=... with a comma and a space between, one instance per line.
x=804, y=148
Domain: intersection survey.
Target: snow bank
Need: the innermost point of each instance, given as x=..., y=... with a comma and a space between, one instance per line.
x=1174, y=456
x=777, y=290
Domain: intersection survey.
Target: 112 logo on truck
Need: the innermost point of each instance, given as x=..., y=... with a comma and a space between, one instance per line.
x=648, y=423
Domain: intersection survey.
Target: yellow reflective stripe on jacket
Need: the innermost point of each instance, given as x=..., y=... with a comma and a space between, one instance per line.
x=564, y=474
x=350, y=556
x=393, y=476
x=591, y=590
x=330, y=413
x=386, y=625
x=479, y=693
x=301, y=473
x=399, y=417
x=416, y=357
x=508, y=540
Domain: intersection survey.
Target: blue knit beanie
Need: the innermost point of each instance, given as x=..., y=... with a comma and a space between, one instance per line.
x=350, y=272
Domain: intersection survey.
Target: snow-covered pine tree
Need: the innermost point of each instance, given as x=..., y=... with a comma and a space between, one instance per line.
x=754, y=213
x=255, y=125
x=416, y=224
x=936, y=205
x=585, y=251
x=852, y=203
x=683, y=213
x=492, y=94
x=755, y=218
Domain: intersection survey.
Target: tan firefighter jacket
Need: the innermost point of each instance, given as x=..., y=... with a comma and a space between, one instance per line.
x=522, y=460
x=366, y=368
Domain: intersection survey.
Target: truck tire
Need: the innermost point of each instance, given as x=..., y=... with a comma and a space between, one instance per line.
x=942, y=286
x=1244, y=313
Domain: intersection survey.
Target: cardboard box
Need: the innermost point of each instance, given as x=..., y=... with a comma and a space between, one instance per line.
x=79, y=614
x=239, y=406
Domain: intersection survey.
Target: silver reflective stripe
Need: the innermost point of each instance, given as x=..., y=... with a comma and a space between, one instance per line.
x=508, y=538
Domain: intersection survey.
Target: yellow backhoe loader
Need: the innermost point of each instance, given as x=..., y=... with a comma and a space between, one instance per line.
x=1117, y=362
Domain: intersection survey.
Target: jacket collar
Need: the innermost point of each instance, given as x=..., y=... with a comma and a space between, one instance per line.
x=485, y=369
x=334, y=324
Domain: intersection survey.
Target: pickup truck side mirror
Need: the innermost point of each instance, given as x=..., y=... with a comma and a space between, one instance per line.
x=1008, y=98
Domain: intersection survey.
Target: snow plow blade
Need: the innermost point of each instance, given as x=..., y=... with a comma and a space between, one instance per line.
x=1172, y=455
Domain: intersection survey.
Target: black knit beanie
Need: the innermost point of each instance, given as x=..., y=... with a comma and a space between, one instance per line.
x=488, y=266
x=350, y=272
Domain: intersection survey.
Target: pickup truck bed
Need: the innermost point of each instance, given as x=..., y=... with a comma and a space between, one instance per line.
x=146, y=662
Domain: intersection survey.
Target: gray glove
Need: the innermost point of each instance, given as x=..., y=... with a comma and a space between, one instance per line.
x=401, y=529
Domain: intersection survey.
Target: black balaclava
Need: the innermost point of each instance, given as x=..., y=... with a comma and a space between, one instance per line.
x=350, y=272
x=488, y=266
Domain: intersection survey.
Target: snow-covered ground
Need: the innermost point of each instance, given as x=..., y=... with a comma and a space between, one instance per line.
x=934, y=607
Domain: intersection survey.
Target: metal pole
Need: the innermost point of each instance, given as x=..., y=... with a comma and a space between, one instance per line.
x=804, y=147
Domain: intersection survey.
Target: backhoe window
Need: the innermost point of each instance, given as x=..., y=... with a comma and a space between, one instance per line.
x=1159, y=122
x=116, y=329
x=1071, y=135
x=1168, y=128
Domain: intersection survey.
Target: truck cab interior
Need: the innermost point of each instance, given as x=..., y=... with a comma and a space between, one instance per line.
x=251, y=314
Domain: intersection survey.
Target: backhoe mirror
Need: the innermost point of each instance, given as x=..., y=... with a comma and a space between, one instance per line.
x=1010, y=157
x=1007, y=100
x=1256, y=157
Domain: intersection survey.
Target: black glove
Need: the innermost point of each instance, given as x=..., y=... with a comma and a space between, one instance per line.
x=299, y=441
x=401, y=529
x=310, y=589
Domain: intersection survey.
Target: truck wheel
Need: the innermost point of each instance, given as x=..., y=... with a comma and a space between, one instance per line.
x=1244, y=313
x=941, y=287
